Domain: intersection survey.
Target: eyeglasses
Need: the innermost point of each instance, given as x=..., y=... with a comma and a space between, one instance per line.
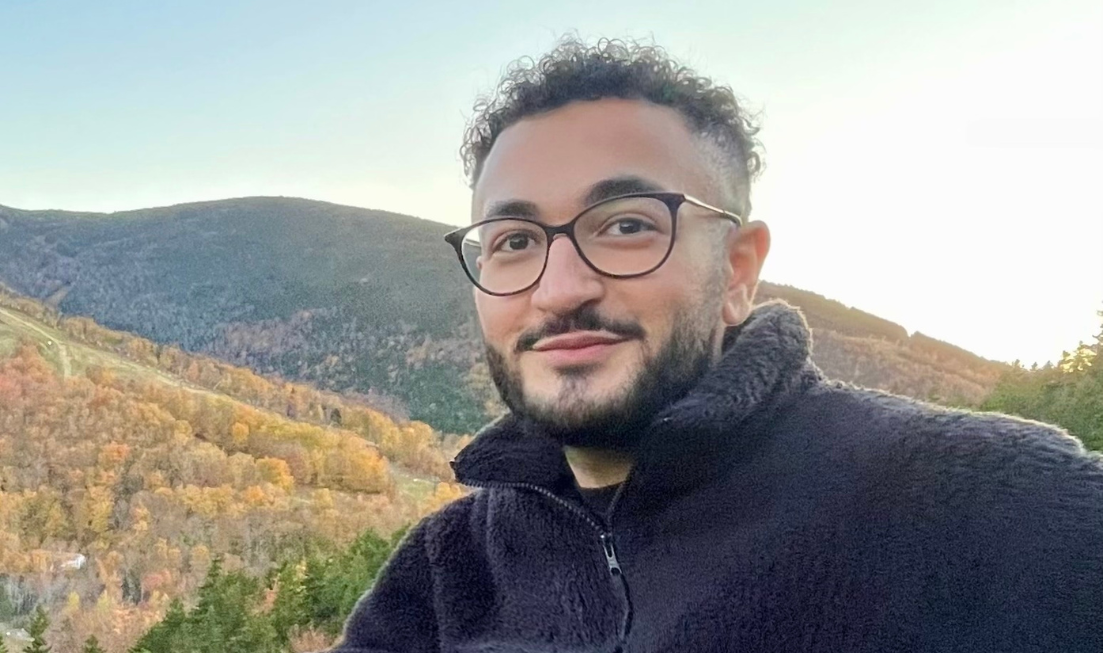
x=620, y=237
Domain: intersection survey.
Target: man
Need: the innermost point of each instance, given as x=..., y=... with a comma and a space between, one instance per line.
x=674, y=473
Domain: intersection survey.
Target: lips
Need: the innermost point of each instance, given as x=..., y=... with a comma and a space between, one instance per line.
x=578, y=340
x=577, y=350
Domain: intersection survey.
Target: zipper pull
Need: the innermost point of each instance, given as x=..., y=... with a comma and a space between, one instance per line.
x=610, y=554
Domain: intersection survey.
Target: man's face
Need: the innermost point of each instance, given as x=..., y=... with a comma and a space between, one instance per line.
x=588, y=356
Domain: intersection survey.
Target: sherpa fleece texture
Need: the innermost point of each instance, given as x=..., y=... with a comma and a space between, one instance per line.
x=769, y=510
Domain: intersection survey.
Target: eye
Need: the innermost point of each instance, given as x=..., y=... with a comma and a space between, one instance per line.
x=627, y=226
x=513, y=241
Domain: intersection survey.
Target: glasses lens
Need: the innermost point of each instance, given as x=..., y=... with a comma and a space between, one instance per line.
x=505, y=256
x=626, y=236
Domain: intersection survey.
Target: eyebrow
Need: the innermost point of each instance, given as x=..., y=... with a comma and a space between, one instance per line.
x=512, y=209
x=602, y=190
x=623, y=185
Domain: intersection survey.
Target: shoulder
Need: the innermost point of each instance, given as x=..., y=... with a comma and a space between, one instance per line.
x=975, y=458
x=875, y=416
x=1004, y=508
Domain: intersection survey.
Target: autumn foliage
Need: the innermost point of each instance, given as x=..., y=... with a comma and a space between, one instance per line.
x=117, y=490
x=414, y=445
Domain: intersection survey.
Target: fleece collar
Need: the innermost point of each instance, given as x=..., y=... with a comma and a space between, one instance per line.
x=765, y=362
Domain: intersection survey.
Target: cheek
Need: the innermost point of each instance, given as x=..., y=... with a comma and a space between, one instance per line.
x=699, y=264
x=652, y=301
x=676, y=288
x=675, y=282
x=499, y=317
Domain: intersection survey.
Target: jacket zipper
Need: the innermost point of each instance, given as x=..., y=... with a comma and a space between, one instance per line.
x=605, y=538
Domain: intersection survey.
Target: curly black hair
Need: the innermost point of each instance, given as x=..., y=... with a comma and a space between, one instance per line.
x=575, y=71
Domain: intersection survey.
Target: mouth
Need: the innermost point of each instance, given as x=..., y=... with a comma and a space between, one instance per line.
x=578, y=348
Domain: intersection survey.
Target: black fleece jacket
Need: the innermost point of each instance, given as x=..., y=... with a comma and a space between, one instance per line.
x=769, y=510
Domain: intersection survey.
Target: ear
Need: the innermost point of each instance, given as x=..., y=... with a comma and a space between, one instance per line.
x=747, y=250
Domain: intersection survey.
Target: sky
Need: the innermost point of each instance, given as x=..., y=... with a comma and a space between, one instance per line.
x=937, y=163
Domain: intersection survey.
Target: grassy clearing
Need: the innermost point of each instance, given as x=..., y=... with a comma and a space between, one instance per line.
x=65, y=354
x=8, y=341
x=413, y=488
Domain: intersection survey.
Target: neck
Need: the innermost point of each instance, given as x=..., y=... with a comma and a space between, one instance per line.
x=594, y=468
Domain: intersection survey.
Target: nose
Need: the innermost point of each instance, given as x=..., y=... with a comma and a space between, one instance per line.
x=568, y=283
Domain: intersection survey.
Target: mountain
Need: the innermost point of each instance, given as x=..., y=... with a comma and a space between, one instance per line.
x=127, y=468
x=360, y=301
x=333, y=295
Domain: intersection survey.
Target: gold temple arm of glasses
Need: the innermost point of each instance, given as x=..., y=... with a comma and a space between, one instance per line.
x=734, y=217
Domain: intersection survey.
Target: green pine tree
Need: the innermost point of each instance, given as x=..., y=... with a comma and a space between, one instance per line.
x=289, y=609
x=318, y=590
x=37, y=630
x=160, y=637
x=3, y=646
x=92, y=645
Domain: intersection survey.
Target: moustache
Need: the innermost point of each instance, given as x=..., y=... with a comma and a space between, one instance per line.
x=584, y=319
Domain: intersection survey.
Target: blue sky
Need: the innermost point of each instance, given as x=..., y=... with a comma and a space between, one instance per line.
x=935, y=163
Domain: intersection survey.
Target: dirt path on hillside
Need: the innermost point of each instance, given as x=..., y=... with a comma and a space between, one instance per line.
x=51, y=341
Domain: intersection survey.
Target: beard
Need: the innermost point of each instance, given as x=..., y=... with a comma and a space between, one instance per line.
x=574, y=418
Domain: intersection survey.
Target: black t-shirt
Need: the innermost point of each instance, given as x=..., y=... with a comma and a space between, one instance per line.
x=598, y=499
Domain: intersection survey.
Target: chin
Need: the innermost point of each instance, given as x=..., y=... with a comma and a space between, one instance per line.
x=604, y=384
x=599, y=422
x=579, y=398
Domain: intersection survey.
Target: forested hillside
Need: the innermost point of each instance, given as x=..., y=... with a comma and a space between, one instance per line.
x=333, y=295
x=353, y=300
x=127, y=468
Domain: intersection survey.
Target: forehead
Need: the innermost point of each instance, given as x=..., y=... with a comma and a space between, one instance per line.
x=552, y=159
